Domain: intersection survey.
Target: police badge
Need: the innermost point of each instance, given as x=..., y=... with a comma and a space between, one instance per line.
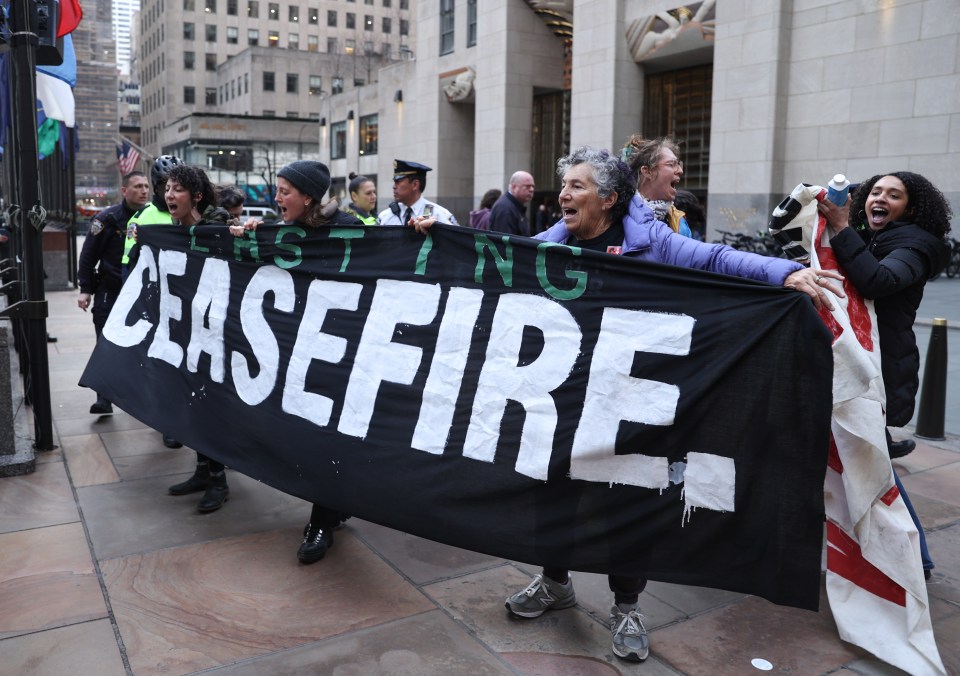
x=96, y=227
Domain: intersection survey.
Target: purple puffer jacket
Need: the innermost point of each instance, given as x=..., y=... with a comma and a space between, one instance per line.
x=648, y=239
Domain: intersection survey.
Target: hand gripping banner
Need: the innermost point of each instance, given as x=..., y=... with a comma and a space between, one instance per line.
x=523, y=399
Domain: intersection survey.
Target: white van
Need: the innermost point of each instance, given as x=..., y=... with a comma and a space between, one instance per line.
x=263, y=213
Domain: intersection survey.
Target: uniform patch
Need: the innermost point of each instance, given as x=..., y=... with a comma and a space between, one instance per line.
x=96, y=227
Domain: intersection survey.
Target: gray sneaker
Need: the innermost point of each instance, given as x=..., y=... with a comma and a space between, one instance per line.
x=540, y=595
x=630, y=640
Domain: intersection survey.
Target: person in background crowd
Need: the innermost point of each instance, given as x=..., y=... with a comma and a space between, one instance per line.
x=602, y=212
x=301, y=198
x=409, y=182
x=231, y=199
x=99, y=269
x=190, y=198
x=659, y=170
x=895, y=243
x=509, y=213
x=692, y=210
x=480, y=217
x=363, y=196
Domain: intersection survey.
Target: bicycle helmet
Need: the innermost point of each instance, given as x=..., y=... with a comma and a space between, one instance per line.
x=161, y=167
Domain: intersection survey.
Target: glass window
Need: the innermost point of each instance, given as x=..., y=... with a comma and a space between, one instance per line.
x=313, y=43
x=268, y=81
x=253, y=8
x=349, y=46
x=471, y=23
x=351, y=20
x=188, y=31
x=211, y=61
x=293, y=41
x=404, y=4
x=336, y=85
x=211, y=32
x=368, y=2
x=316, y=85
x=233, y=35
x=368, y=134
x=274, y=11
x=210, y=96
x=293, y=83
x=313, y=16
x=189, y=58
x=273, y=38
x=253, y=37
x=404, y=27
x=292, y=113
x=338, y=140
x=385, y=24
x=386, y=3
x=331, y=45
x=246, y=83
x=189, y=95
x=232, y=7
x=210, y=6
x=293, y=13
x=446, y=26
x=332, y=18
x=269, y=113
x=368, y=47
x=367, y=22
x=189, y=5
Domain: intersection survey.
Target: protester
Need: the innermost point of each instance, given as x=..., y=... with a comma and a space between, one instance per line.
x=480, y=217
x=659, y=171
x=895, y=244
x=99, y=269
x=693, y=211
x=509, y=213
x=301, y=193
x=602, y=212
x=409, y=182
x=363, y=196
x=230, y=198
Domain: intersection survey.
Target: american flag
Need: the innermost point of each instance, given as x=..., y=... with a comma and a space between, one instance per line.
x=127, y=158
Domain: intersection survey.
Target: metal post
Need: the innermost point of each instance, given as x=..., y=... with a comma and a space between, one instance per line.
x=933, y=392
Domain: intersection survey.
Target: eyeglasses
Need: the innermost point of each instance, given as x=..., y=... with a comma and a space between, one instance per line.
x=673, y=164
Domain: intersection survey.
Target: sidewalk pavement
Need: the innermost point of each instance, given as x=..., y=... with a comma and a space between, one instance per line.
x=102, y=572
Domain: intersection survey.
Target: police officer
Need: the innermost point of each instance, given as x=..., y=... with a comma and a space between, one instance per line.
x=409, y=182
x=156, y=212
x=99, y=267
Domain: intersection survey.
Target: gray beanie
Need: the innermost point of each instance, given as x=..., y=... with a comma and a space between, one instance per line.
x=307, y=176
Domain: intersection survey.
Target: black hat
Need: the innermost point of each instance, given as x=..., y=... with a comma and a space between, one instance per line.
x=307, y=176
x=404, y=169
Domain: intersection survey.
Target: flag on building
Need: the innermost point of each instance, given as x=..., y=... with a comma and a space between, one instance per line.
x=55, y=86
x=127, y=158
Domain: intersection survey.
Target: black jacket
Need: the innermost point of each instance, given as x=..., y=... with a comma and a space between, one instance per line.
x=891, y=266
x=509, y=215
x=104, y=246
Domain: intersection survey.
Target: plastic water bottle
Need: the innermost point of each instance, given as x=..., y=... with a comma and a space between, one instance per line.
x=837, y=190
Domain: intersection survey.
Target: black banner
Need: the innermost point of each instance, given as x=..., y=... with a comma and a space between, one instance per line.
x=513, y=397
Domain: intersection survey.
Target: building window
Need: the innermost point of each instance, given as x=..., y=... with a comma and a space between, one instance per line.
x=268, y=81
x=471, y=23
x=404, y=27
x=385, y=25
x=253, y=9
x=446, y=26
x=336, y=85
x=367, y=22
x=386, y=3
x=274, y=11
x=351, y=20
x=210, y=6
x=313, y=43
x=331, y=45
x=314, y=116
x=316, y=85
x=269, y=113
x=189, y=5
x=368, y=47
x=385, y=50
x=231, y=7
x=293, y=83
x=211, y=61
x=246, y=83
x=368, y=134
x=189, y=95
x=211, y=96
x=233, y=35
x=349, y=46
x=293, y=113
x=189, y=59
x=313, y=16
x=188, y=31
x=273, y=38
x=253, y=37
x=368, y=2
x=404, y=4
x=211, y=32
x=293, y=14
x=332, y=18
x=338, y=140
x=293, y=41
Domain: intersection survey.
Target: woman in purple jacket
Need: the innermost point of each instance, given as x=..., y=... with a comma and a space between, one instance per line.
x=602, y=212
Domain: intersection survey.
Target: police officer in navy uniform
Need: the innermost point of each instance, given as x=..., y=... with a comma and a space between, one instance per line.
x=409, y=182
x=99, y=267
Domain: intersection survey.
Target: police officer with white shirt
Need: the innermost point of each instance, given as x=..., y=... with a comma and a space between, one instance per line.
x=409, y=182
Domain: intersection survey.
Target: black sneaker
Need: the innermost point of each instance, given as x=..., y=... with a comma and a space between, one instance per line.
x=898, y=449
x=316, y=542
x=101, y=407
x=170, y=442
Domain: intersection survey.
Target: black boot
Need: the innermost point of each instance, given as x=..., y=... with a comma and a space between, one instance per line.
x=316, y=542
x=198, y=482
x=101, y=406
x=217, y=493
x=898, y=449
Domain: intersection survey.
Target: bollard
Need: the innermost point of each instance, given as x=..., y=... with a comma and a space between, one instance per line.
x=933, y=391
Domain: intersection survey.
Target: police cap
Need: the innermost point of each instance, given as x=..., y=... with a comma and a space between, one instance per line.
x=404, y=169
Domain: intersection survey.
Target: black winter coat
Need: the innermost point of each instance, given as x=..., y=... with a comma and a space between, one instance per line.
x=891, y=266
x=99, y=263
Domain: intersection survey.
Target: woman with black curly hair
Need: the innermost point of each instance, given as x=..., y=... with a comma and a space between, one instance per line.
x=893, y=246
